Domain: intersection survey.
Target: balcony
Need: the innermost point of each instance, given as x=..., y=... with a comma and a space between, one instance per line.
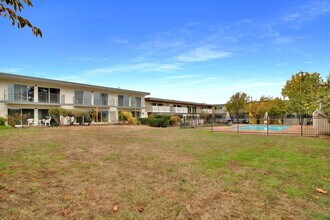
x=159, y=109
x=206, y=111
x=99, y=102
x=220, y=111
x=77, y=101
x=32, y=98
x=179, y=110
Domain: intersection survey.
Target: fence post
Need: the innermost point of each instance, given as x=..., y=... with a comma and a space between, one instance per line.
x=237, y=125
x=301, y=125
x=212, y=118
x=267, y=118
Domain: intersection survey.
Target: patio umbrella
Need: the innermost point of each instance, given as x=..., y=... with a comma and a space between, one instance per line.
x=228, y=118
x=266, y=116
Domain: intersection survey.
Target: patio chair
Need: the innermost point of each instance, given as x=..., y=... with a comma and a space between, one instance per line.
x=47, y=121
x=30, y=121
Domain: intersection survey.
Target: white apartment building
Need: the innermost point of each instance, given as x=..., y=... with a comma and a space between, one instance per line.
x=176, y=107
x=34, y=96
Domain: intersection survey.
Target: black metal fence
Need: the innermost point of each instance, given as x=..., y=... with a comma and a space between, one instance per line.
x=298, y=126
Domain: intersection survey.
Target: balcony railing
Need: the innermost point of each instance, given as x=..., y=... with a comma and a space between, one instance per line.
x=220, y=111
x=49, y=98
x=159, y=109
x=31, y=97
x=82, y=101
x=101, y=102
x=207, y=111
x=179, y=110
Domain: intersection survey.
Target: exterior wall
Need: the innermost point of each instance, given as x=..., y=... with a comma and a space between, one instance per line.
x=68, y=93
x=171, y=108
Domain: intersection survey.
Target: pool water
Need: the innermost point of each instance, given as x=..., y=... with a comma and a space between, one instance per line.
x=264, y=127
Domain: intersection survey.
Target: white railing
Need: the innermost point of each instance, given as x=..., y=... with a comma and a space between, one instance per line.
x=31, y=97
x=207, y=111
x=180, y=110
x=220, y=111
x=159, y=109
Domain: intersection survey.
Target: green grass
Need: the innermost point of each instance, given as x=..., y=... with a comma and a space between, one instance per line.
x=171, y=173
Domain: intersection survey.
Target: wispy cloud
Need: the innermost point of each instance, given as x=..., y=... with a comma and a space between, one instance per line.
x=90, y=59
x=11, y=70
x=187, y=76
x=202, y=54
x=135, y=67
x=119, y=40
x=307, y=11
x=283, y=40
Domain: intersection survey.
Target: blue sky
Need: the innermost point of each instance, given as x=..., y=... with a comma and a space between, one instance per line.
x=194, y=50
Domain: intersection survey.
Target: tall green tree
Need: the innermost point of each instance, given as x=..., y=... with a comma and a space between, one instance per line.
x=11, y=8
x=237, y=103
x=302, y=92
x=278, y=108
x=258, y=108
x=324, y=97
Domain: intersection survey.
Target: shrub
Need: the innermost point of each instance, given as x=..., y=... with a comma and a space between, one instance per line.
x=16, y=119
x=55, y=113
x=128, y=117
x=157, y=121
x=144, y=121
x=174, y=120
x=3, y=120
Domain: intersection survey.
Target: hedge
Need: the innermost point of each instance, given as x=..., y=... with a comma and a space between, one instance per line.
x=157, y=121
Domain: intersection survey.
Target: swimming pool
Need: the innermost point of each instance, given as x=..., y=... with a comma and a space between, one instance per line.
x=264, y=127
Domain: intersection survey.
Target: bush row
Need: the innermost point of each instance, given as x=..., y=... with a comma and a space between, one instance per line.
x=156, y=121
x=160, y=120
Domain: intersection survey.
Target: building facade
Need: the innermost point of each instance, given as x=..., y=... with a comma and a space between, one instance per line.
x=34, y=96
x=176, y=107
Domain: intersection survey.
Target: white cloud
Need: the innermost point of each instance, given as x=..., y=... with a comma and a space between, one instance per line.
x=11, y=70
x=202, y=54
x=90, y=59
x=283, y=40
x=187, y=76
x=119, y=40
x=308, y=11
x=136, y=67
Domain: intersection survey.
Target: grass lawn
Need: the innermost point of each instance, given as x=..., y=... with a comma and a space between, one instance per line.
x=154, y=173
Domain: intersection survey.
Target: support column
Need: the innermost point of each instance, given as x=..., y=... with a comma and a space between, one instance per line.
x=36, y=116
x=35, y=92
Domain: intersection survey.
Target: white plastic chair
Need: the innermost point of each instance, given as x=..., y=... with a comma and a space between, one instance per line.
x=47, y=121
x=30, y=121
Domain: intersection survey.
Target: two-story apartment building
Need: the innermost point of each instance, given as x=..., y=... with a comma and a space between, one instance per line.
x=34, y=96
x=176, y=107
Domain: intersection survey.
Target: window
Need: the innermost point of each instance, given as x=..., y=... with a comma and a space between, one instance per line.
x=123, y=100
x=120, y=100
x=78, y=97
x=21, y=93
x=101, y=99
x=103, y=116
x=82, y=98
x=25, y=113
x=42, y=114
x=48, y=95
x=137, y=102
x=104, y=99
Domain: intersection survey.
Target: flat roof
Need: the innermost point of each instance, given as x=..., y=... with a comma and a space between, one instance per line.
x=22, y=77
x=152, y=99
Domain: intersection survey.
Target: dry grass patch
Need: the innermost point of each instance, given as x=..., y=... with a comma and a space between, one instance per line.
x=153, y=173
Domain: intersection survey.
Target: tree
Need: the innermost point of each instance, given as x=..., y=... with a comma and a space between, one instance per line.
x=237, y=103
x=259, y=108
x=324, y=97
x=278, y=108
x=10, y=8
x=302, y=93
